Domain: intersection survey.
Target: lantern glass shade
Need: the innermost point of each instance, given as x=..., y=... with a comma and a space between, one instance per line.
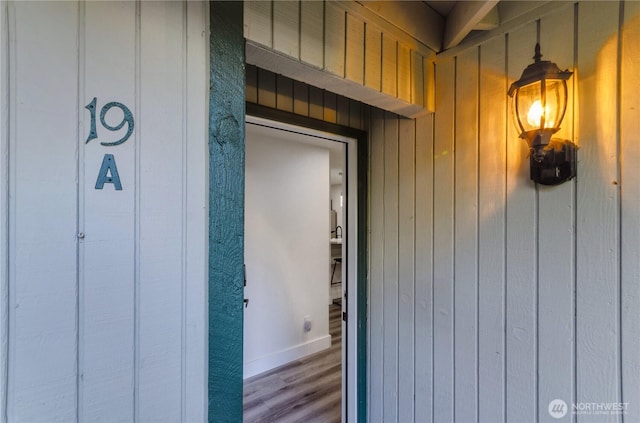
x=539, y=100
x=540, y=105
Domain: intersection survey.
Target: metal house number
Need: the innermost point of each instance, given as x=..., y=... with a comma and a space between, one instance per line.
x=109, y=171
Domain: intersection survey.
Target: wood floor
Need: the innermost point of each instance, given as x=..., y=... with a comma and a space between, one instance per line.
x=305, y=390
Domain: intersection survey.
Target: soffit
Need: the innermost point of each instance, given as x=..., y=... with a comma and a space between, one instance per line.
x=439, y=24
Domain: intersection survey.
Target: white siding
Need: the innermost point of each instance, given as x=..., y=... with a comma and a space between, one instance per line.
x=630, y=207
x=4, y=206
x=342, y=46
x=475, y=274
x=522, y=294
x=107, y=325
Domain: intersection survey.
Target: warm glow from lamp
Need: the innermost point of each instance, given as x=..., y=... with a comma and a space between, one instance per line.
x=535, y=114
x=536, y=111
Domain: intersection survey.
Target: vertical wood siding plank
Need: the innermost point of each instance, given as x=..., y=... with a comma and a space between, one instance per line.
x=355, y=50
x=43, y=213
x=284, y=93
x=492, y=254
x=428, y=67
x=376, y=269
x=330, y=109
x=355, y=114
x=597, y=314
x=266, y=88
x=300, y=98
x=521, y=247
x=252, y=83
x=406, y=270
x=286, y=27
x=404, y=72
x=390, y=274
x=424, y=270
x=630, y=212
x=556, y=239
x=443, y=376
x=373, y=57
x=417, y=78
x=160, y=343
x=389, y=65
x=258, y=21
x=466, y=237
x=311, y=24
x=316, y=103
x=342, y=109
x=4, y=208
x=196, y=216
x=334, y=36
x=107, y=292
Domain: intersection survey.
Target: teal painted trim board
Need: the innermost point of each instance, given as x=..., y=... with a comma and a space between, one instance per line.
x=363, y=213
x=226, y=210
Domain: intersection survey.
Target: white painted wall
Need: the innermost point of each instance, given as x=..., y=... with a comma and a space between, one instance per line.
x=286, y=250
x=103, y=291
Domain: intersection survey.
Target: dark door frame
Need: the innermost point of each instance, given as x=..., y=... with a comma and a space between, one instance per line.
x=226, y=215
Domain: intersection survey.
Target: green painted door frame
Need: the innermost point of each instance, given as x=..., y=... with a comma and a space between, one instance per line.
x=226, y=215
x=226, y=210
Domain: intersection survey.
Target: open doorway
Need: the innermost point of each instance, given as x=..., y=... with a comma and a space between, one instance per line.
x=297, y=247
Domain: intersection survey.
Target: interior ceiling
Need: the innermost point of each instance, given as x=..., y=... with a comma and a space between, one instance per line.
x=336, y=148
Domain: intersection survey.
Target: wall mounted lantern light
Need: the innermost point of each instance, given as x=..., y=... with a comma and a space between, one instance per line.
x=539, y=100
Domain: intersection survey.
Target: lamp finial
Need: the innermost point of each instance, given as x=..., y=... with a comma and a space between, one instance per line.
x=537, y=56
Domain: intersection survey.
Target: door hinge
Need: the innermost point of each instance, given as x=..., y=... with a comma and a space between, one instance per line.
x=344, y=316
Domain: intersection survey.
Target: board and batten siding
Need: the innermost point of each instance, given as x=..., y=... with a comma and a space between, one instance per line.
x=274, y=91
x=490, y=297
x=344, y=47
x=103, y=291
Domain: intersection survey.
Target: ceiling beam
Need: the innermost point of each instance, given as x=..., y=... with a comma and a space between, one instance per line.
x=491, y=21
x=463, y=18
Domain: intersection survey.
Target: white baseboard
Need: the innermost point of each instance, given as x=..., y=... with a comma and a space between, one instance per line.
x=268, y=362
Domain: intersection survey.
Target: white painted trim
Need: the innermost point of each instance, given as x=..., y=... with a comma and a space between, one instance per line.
x=350, y=341
x=273, y=360
x=298, y=129
x=271, y=60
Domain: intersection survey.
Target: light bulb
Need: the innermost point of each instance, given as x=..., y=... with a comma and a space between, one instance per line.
x=535, y=115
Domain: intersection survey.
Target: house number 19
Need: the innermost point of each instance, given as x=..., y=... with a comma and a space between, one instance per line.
x=127, y=118
x=109, y=171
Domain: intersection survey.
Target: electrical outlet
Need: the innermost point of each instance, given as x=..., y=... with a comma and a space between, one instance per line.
x=307, y=323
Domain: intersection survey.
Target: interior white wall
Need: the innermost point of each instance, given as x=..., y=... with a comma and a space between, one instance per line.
x=286, y=250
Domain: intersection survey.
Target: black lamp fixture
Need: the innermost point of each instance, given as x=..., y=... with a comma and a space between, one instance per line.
x=539, y=101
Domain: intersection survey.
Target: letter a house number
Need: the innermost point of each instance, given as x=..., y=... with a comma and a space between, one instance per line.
x=108, y=173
